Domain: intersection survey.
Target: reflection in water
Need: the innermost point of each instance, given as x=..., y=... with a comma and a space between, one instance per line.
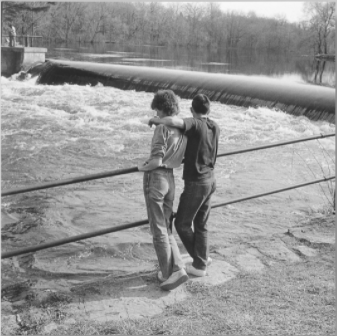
x=214, y=60
x=320, y=66
x=319, y=72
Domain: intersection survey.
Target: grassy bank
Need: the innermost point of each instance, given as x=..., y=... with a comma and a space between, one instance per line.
x=286, y=299
x=295, y=299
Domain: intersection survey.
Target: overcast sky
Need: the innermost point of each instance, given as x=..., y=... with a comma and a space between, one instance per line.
x=292, y=10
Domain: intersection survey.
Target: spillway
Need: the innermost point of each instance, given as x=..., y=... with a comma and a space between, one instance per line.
x=314, y=102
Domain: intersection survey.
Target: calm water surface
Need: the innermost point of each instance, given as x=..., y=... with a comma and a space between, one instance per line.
x=289, y=67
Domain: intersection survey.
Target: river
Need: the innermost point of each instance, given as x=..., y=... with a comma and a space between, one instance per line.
x=282, y=66
x=58, y=132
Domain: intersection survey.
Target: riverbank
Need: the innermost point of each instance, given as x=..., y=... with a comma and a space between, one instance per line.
x=281, y=285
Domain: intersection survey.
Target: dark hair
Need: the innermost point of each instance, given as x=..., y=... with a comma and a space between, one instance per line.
x=201, y=104
x=166, y=101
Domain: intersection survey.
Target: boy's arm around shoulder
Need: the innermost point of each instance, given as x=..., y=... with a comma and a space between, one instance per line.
x=168, y=121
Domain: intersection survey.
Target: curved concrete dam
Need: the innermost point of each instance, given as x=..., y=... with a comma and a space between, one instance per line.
x=314, y=102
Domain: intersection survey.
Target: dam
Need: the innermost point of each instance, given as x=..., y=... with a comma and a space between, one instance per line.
x=314, y=102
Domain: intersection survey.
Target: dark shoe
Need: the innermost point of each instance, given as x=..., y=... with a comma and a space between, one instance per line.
x=176, y=279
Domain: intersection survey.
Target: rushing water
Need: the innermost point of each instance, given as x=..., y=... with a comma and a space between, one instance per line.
x=57, y=132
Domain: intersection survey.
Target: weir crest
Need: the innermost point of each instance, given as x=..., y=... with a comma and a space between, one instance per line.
x=314, y=102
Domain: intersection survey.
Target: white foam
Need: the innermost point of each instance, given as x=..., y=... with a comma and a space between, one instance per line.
x=66, y=112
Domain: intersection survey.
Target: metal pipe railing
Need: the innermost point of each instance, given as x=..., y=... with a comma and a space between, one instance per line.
x=274, y=191
x=70, y=181
x=277, y=144
x=72, y=239
x=135, y=169
x=26, y=40
x=143, y=222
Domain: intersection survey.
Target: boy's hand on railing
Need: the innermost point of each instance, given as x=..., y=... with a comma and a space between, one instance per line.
x=153, y=121
x=142, y=165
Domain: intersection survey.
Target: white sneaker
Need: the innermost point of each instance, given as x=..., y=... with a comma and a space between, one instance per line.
x=194, y=271
x=160, y=276
x=176, y=279
x=209, y=262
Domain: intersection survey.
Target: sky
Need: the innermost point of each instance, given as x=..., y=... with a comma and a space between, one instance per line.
x=292, y=10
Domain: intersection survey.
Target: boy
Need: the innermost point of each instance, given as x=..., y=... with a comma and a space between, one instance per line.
x=195, y=201
x=167, y=151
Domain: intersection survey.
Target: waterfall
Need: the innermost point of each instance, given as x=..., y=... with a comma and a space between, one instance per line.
x=314, y=102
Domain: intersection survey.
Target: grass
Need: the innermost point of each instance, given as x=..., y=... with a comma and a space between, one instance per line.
x=287, y=299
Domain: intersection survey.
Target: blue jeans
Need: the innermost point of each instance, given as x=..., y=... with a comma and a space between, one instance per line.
x=159, y=190
x=194, y=207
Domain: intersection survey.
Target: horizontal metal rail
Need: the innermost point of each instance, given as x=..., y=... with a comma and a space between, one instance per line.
x=143, y=222
x=30, y=36
x=277, y=144
x=135, y=169
x=27, y=40
x=72, y=239
x=70, y=181
x=273, y=192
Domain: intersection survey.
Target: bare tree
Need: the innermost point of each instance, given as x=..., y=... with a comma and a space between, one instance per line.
x=321, y=23
x=187, y=23
x=65, y=17
x=143, y=22
x=23, y=14
x=194, y=14
x=177, y=25
x=215, y=24
x=235, y=29
x=96, y=19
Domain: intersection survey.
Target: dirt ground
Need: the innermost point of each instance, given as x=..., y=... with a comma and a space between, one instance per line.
x=35, y=301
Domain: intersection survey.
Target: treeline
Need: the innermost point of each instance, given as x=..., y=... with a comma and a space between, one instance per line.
x=183, y=24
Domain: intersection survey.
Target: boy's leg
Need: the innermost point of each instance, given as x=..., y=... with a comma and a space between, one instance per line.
x=177, y=262
x=155, y=188
x=178, y=274
x=194, y=199
x=189, y=204
x=201, y=231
